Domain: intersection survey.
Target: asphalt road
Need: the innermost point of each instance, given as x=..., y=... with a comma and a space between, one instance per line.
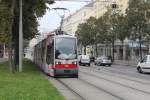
x=123, y=70
x=105, y=83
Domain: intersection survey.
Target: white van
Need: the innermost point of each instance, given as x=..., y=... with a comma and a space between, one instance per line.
x=84, y=60
x=144, y=64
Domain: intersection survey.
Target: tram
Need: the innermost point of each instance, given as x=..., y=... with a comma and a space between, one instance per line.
x=56, y=55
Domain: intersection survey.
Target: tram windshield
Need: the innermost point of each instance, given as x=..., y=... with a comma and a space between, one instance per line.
x=65, y=48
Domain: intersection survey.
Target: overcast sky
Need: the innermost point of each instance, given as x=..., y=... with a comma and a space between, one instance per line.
x=51, y=19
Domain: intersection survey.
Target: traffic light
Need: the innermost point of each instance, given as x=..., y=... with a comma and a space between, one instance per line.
x=114, y=5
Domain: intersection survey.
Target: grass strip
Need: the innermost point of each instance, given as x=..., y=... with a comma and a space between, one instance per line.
x=27, y=85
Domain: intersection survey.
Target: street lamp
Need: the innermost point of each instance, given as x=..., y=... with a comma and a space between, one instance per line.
x=20, y=37
x=113, y=6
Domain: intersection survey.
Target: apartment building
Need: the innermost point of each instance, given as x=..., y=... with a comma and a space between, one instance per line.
x=95, y=9
x=71, y=23
x=128, y=51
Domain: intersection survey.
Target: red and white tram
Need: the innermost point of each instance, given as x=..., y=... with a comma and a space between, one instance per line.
x=57, y=55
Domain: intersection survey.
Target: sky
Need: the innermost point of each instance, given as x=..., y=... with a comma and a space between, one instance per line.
x=51, y=20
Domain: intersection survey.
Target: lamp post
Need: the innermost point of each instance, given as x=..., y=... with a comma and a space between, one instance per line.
x=20, y=37
x=113, y=6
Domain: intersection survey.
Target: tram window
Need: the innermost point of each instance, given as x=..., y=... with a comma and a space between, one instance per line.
x=50, y=54
x=48, y=58
x=65, y=48
x=42, y=55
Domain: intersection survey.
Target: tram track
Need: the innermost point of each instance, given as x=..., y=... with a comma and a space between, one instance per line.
x=117, y=81
x=146, y=83
x=99, y=77
x=86, y=77
x=101, y=89
x=71, y=89
x=112, y=73
x=90, y=84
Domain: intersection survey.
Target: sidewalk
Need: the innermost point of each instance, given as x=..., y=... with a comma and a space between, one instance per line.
x=125, y=62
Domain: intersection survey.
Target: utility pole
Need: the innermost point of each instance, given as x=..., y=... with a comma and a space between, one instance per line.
x=113, y=6
x=20, y=37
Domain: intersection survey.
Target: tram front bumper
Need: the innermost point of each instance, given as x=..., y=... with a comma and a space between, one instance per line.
x=66, y=71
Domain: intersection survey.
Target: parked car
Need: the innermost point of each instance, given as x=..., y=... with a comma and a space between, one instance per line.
x=144, y=64
x=84, y=60
x=103, y=60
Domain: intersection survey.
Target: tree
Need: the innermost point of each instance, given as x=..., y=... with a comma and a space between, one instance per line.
x=102, y=29
x=117, y=26
x=111, y=22
x=85, y=32
x=147, y=17
x=7, y=18
x=83, y=35
x=32, y=9
x=91, y=22
x=137, y=21
x=121, y=29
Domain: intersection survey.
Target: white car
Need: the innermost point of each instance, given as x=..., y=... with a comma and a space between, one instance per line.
x=84, y=60
x=144, y=64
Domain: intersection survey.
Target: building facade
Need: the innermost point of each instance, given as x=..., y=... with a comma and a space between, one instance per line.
x=71, y=23
x=95, y=9
x=129, y=50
